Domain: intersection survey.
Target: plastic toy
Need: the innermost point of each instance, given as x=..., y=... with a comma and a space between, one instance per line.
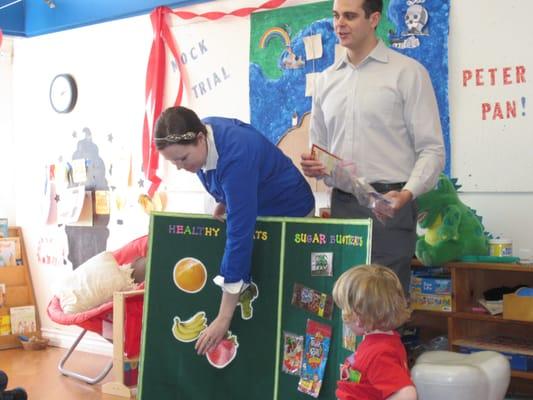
x=454, y=230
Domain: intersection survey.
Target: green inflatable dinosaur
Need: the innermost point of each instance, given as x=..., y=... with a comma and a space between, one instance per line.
x=453, y=230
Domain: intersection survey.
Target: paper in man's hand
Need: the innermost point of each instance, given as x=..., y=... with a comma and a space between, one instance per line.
x=328, y=159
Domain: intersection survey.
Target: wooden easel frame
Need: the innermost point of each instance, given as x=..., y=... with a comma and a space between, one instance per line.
x=117, y=387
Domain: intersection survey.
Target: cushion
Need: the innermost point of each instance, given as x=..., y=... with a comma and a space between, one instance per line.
x=132, y=251
x=93, y=283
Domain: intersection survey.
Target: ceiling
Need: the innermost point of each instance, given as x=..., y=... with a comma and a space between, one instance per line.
x=35, y=17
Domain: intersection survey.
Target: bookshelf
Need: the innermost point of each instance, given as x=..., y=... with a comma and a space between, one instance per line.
x=19, y=289
x=467, y=328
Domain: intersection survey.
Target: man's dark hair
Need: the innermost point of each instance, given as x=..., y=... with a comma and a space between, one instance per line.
x=371, y=6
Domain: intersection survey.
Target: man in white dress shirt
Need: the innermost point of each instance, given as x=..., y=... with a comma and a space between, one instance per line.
x=377, y=108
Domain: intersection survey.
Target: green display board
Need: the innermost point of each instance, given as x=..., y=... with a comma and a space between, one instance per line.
x=283, y=247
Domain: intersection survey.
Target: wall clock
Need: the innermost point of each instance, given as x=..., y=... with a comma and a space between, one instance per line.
x=63, y=93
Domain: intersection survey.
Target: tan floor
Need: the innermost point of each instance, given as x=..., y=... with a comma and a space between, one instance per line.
x=37, y=373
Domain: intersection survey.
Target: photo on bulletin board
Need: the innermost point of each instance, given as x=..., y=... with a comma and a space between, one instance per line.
x=181, y=299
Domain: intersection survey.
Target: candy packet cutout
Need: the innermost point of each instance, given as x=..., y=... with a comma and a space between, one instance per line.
x=293, y=347
x=321, y=264
x=318, y=303
x=317, y=343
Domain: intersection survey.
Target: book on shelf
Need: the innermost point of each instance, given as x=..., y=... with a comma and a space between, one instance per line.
x=4, y=227
x=494, y=307
x=23, y=320
x=5, y=325
x=10, y=252
x=2, y=294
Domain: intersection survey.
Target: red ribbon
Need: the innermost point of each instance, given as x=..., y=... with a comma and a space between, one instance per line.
x=155, y=76
x=1, y=37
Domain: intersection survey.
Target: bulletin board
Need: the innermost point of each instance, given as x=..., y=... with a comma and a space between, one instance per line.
x=170, y=368
x=490, y=95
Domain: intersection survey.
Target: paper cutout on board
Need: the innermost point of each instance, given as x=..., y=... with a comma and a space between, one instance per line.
x=322, y=264
x=86, y=214
x=101, y=202
x=313, y=47
x=317, y=344
x=190, y=275
x=293, y=348
x=317, y=303
x=224, y=353
x=70, y=204
x=61, y=175
x=79, y=172
x=310, y=79
x=246, y=298
x=190, y=329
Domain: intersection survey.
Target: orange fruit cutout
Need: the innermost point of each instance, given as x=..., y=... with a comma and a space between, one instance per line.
x=190, y=275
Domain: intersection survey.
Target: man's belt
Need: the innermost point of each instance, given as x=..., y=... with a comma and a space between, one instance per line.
x=387, y=187
x=381, y=187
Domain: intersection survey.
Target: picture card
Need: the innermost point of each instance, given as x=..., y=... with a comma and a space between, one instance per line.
x=322, y=264
x=328, y=159
x=318, y=303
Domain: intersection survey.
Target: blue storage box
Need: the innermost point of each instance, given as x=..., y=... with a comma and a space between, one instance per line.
x=519, y=362
x=431, y=285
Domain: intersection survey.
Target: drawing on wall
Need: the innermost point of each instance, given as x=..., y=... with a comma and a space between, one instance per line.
x=289, y=46
x=87, y=241
x=426, y=22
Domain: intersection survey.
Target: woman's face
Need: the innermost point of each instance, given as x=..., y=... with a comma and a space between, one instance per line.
x=190, y=157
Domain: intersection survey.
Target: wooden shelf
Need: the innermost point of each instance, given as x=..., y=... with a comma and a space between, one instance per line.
x=480, y=344
x=481, y=266
x=463, y=327
x=522, y=375
x=433, y=313
x=490, y=318
x=19, y=290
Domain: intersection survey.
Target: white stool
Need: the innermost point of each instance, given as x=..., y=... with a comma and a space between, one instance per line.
x=444, y=375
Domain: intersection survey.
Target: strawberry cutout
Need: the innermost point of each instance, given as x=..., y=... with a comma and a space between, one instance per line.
x=224, y=353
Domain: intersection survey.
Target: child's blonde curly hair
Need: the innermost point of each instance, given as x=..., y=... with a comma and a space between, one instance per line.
x=374, y=294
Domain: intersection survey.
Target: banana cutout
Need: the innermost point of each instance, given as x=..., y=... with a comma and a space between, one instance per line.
x=189, y=330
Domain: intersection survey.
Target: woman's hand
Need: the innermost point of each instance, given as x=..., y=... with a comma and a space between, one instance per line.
x=216, y=331
x=213, y=334
x=219, y=212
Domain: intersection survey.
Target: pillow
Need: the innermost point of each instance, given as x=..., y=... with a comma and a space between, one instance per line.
x=93, y=283
x=132, y=250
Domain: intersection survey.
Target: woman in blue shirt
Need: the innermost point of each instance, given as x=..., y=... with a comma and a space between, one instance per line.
x=248, y=177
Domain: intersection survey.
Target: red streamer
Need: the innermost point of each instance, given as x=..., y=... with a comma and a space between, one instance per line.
x=155, y=76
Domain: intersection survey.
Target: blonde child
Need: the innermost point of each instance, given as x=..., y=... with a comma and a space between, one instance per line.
x=373, y=304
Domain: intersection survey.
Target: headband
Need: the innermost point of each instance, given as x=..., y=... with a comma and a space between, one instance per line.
x=176, y=138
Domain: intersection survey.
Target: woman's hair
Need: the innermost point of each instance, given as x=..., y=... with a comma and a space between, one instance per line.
x=177, y=125
x=374, y=294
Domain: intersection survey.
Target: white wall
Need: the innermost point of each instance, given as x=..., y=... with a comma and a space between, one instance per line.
x=7, y=206
x=492, y=157
x=109, y=63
